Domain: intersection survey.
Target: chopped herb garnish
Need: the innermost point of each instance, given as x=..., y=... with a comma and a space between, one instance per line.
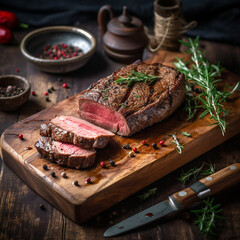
x=186, y=134
x=123, y=105
x=147, y=194
x=136, y=95
x=137, y=77
x=105, y=97
x=175, y=141
x=206, y=76
x=105, y=90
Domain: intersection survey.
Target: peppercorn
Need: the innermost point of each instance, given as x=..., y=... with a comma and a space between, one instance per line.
x=112, y=163
x=134, y=149
x=154, y=145
x=33, y=93
x=52, y=88
x=75, y=183
x=161, y=143
x=49, y=91
x=131, y=154
x=103, y=164
x=53, y=174
x=88, y=180
x=47, y=99
x=45, y=167
x=64, y=85
x=20, y=136
x=144, y=142
x=63, y=174
x=42, y=206
x=46, y=93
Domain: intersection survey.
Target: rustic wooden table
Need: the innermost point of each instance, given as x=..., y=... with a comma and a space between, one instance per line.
x=20, y=214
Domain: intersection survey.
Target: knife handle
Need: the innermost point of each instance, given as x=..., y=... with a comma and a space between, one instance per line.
x=208, y=186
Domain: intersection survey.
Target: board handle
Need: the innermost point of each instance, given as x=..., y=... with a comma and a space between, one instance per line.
x=208, y=186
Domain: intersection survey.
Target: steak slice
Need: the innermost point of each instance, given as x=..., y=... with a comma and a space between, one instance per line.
x=76, y=131
x=125, y=110
x=65, y=154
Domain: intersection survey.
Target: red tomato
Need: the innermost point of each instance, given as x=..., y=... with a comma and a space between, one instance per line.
x=5, y=35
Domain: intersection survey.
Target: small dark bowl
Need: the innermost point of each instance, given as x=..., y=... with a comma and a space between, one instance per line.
x=35, y=41
x=14, y=102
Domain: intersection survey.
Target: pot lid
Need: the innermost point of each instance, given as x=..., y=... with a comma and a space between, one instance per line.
x=125, y=24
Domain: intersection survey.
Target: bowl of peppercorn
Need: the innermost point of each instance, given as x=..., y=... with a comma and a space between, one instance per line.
x=14, y=91
x=58, y=49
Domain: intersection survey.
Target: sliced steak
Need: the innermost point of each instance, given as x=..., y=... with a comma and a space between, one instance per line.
x=126, y=110
x=65, y=154
x=77, y=131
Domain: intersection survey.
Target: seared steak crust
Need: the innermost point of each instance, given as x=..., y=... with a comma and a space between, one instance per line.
x=76, y=131
x=126, y=110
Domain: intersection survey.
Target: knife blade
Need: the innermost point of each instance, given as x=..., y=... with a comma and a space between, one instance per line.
x=179, y=200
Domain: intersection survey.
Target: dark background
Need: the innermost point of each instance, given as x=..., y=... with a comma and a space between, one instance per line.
x=217, y=20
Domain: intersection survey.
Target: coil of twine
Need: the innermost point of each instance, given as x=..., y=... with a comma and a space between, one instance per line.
x=168, y=26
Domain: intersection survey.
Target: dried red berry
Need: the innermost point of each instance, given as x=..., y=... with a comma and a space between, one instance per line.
x=102, y=164
x=88, y=180
x=64, y=85
x=144, y=142
x=20, y=136
x=134, y=149
x=17, y=70
x=161, y=143
x=46, y=93
x=33, y=93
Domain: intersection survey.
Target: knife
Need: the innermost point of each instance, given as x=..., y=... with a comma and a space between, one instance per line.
x=180, y=200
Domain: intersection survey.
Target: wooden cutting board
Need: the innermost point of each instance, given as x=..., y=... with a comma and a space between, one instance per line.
x=112, y=184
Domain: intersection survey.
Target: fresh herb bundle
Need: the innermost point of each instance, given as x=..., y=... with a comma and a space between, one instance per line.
x=207, y=216
x=207, y=76
x=136, y=77
x=147, y=194
x=194, y=172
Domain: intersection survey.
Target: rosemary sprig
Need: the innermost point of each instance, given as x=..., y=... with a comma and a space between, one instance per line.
x=207, y=216
x=106, y=89
x=205, y=75
x=105, y=97
x=136, y=77
x=147, y=194
x=194, y=172
x=178, y=144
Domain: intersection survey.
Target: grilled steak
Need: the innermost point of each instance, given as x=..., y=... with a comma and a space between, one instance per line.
x=65, y=154
x=76, y=131
x=126, y=110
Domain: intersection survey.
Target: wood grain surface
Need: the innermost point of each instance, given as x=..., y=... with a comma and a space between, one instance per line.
x=20, y=214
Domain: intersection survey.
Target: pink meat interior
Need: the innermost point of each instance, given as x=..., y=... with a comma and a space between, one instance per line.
x=80, y=126
x=70, y=149
x=103, y=116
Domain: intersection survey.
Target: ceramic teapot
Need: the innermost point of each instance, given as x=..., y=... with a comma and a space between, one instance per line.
x=123, y=37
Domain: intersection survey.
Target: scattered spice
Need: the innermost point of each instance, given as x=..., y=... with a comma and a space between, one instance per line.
x=33, y=93
x=46, y=93
x=52, y=88
x=59, y=52
x=17, y=70
x=126, y=146
x=45, y=167
x=53, y=174
x=64, y=85
x=161, y=143
x=134, y=149
x=88, y=180
x=20, y=136
x=47, y=99
x=75, y=183
x=63, y=174
x=112, y=163
x=42, y=206
x=10, y=91
x=131, y=154
x=103, y=164
x=154, y=145
x=49, y=91
x=144, y=142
